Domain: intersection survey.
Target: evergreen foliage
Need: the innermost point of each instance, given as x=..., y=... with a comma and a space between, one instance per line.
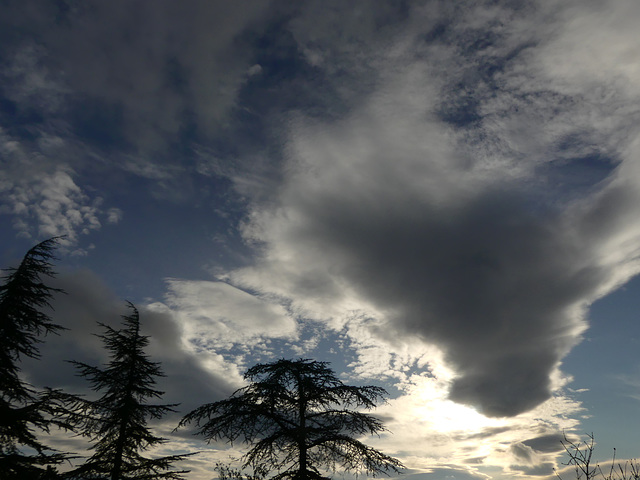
x=297, y=416
x=23, y=296
x=116, y=423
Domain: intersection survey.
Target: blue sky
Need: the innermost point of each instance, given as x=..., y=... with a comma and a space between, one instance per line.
x=439, y=197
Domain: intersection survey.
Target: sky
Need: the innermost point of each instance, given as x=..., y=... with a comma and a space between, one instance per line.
x=438, y=197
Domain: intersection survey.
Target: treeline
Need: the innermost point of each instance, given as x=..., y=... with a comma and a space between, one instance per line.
x=296, y=415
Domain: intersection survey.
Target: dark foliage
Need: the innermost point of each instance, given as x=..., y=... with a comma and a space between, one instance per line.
x=116, y=423
x=23, y=409
x=297, y=416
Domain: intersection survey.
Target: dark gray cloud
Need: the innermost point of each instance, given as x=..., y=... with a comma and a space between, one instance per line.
x=498, y=276
x=542, y=470
x=490, y=280
x=468, y=235
x=132, y=73
x=87, y=302
x=88, y=90
x=546, y=443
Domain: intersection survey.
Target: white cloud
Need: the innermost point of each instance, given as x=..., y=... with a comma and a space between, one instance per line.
x=217, y=316
x=595, y=46
x=114, y=215
x=38, y=190
x=52, y=204
x=429, y=431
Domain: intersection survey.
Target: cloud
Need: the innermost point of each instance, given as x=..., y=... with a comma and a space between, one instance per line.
x=29, y=84
x=86, y=302
x=456, y=185
x=190, y=379
x=542, y=470
x=51, y=204
x=595, y=47
x=114, y=215
x=428, y=430
x=144, y=72
x=349, y=58
x=215, y=316
x=127, y=89
x=449, y=472
x=43, y=194
x=546, y=443
x=458, y=234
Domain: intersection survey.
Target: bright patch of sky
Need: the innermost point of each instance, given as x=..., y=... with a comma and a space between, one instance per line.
x=439, y=197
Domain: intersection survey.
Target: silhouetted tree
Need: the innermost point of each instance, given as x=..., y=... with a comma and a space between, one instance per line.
x=23, y=296
x=580, y=457
x=116, y=423
x=296, y=415
x=50, y=473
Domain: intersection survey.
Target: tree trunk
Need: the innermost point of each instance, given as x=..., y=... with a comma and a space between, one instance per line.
x=116, y=473
x=302, y=440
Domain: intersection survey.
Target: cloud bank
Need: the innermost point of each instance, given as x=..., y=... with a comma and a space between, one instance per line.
x=455, y=231
x=137, y=71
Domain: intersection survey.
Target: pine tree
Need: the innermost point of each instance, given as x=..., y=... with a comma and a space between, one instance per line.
x=296, y=415
x=116, y=423
x=23, y=296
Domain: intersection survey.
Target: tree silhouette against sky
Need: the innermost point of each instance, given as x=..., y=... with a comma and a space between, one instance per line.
x=23, y=296
x=116, y=423
x=297, y=416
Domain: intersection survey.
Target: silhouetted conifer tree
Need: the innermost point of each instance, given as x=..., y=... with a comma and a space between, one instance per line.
x=116, y=423
x=296, y=415
x=23, y=296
